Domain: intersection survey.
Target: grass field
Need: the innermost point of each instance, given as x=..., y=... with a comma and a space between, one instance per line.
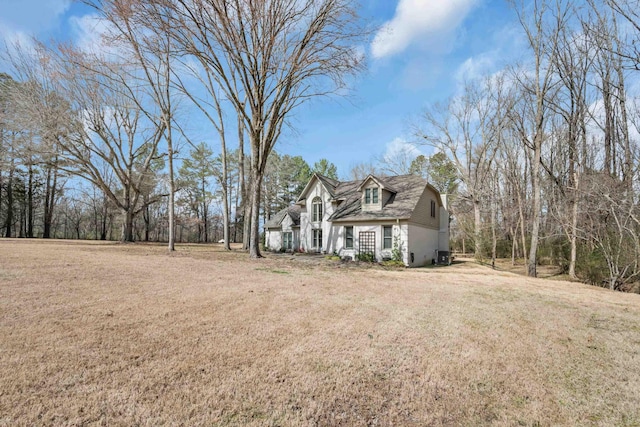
x=112, y=334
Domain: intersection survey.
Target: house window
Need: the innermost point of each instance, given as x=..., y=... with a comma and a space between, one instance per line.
x=348, y=237
x=370, y=195
x=287, y=241
x=433, y=209
x=387, y=237
x=317, y=238
x=317, y=210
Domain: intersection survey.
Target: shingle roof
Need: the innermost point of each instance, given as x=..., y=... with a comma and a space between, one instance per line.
x=329, y=183
x=381, y=181
x=408, y=189
x=275, y=221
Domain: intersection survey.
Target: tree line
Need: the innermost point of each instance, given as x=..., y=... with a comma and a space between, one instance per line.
x=546, y=150
x=540, y=159
x=113, y=114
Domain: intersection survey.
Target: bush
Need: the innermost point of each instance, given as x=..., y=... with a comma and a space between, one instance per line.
x=366, y=257
x=592, y=267
x=554, y=251
x=393, y=263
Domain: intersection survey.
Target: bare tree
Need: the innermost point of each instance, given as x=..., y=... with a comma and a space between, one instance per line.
x=613, y=224
x=574, y=57
x=107, y=131
x=542, y=28
x=468, y=129
x=140, y=32
x=40, y=110
x=360, y=171
x=268, y=58
x=628, y=10
x=211, y=105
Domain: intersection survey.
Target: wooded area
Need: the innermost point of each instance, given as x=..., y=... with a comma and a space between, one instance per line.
x=540, y=160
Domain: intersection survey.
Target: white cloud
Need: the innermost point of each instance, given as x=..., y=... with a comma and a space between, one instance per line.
x=32, y=16
x=423, y=22
x=90, y=31
x=20, y=20
x=476, y=67
x=398, y=157
x=506, y=46
x=399, y=148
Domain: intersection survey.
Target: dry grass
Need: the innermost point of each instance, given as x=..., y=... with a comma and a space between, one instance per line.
x=110, y=334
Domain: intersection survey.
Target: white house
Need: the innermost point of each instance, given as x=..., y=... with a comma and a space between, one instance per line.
x=372, y=216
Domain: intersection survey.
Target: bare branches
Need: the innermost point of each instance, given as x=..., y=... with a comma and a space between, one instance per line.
x=267, y=58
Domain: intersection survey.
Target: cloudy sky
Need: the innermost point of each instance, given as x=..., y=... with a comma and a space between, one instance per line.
x=421, y=53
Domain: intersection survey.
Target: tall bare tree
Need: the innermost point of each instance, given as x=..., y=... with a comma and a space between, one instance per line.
x=574, y=56
x=268, y=58
x=106, y=130
x=468, y=129
x=139, y=31
x=542, y=22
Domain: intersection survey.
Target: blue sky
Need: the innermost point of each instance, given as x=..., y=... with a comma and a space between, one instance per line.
x=422, y=52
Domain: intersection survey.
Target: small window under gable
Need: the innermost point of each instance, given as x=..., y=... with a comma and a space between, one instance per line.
x=433, y=209
x=371, y=196
x=317, y=210
x=375, y=193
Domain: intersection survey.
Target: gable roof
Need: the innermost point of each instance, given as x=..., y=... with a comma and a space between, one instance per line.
x=408, y=190
x=328, y=183
x=276, y=221
x=380, y=181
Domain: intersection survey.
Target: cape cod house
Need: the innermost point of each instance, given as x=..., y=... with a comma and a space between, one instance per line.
x=373, y=216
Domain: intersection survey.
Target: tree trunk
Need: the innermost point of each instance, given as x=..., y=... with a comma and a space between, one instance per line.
x=49, y=202
x=205, y=211
x=127, y=225
x=494, y=238
x=254, y=240
x=477, y=228
x=30, y=204
x=9, y=220
x=147, y=220
x=105, y=213
x=246, y=226
x=246, y=207
x=535, y=222
x=573, y=255
x=172, y=190
x=225, y=196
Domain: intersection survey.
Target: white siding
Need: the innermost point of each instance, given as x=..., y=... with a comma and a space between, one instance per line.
x=307, y=226
x=400, y=230
x=273, y=239
x=423, y=243
x=286, y=223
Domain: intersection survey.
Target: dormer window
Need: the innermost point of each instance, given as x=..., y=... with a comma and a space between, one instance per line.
x=317, y=209
x=371, y=195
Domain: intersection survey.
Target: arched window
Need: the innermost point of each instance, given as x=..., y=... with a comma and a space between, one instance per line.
x=317, y=210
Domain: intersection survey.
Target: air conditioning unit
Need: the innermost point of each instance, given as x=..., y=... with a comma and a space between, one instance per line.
x=443, y=258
